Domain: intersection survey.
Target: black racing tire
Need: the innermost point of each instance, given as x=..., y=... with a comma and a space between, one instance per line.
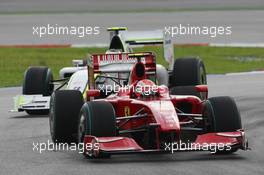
x=97, y=118
x=65, y=106
x=37, y=80
x=185, y=90
x=222, y=115
x=188, y=72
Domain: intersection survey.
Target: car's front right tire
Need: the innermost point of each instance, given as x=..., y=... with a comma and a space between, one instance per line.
x=38, y=80
x=221, y=115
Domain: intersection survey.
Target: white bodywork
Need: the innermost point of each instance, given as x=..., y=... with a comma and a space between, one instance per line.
x=162, y=75
x=69, y=70
x=31, y=102
x=151, y=37
x=78, y=81
x=78, y=65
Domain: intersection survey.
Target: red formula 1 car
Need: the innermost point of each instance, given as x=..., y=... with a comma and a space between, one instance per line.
x=134, y=115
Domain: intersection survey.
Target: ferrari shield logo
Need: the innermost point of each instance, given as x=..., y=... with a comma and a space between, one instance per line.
x=127, y=111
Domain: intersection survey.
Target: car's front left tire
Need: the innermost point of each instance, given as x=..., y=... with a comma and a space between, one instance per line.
x=65, y=107
x=97, y=118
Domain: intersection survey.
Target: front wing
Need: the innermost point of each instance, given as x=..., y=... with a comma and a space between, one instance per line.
x=125, y=145
x=31, y=102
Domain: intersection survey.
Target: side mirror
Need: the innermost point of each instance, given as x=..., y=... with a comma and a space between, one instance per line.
x=203, y=89
x=79, y=63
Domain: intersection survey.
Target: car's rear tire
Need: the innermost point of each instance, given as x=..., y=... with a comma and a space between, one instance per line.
x=222, y=115
x=186, y=74
x=65, y=107
x=97, y=118
x=37, y=80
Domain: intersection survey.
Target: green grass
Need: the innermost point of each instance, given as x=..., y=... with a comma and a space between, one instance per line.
x=14, y=61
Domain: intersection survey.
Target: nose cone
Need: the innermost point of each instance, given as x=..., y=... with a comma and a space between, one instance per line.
x=165, y=115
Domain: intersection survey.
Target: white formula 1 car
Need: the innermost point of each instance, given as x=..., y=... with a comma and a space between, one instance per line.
x=39, y=84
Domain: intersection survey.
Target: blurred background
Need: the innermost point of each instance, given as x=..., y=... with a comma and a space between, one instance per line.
x=17, y=17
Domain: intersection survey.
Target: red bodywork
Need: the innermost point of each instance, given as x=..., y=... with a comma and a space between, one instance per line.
x=158, y=119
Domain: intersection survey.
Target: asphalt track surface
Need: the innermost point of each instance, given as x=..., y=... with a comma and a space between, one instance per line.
x=247, y=26
x=18, y=131
x=18, y=17
x=22, y=6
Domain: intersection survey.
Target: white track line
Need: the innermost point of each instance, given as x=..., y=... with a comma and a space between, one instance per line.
x=237, y=44
x=245, y=73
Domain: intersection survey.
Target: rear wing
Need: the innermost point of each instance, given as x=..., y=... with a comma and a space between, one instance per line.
x=123, y=62
x=119, y=63
x=154, y=37
x=121, y=38
x=143, y=37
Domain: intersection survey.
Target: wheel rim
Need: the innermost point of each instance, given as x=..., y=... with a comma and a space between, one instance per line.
x=202, y=75
x=81, y=129
x=51, y=120
x=50, y=85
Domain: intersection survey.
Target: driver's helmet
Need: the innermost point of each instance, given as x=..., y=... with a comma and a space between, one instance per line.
x=145, y=88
